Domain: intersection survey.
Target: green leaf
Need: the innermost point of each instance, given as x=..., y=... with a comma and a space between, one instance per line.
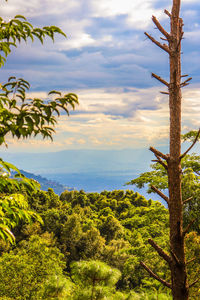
x=19, y=17
x=54, y=92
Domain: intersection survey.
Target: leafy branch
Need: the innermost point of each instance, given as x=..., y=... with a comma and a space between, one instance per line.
x=19, y=29
x=23, y=117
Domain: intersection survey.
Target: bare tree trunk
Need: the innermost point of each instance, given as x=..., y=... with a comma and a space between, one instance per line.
x=178, y=267
x=172, y=161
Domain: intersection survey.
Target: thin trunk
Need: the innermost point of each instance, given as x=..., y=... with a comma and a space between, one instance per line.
x=172, y=161
x=178, y=267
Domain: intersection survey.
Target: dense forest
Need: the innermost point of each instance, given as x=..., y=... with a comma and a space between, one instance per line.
x=87, y=246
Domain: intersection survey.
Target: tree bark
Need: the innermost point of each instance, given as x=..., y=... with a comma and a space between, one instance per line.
x=180, y=289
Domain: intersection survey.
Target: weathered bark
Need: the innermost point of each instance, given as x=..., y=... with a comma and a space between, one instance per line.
x=177, y=263
x=180, y=288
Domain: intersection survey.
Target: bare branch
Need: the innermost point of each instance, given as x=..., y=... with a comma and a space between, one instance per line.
x=160, y=28
x=160, y=79
x=158, y=153
x=160, y=194
x=162, y=46
x=185, y=231
x=175, y=257
x=197, y=136
x=160, y=251
x=167, y=13
x=163, y=39
x=187, y=200
x=191, y=260
x=159, y=160
x=152, y=274
x=183, y=83
x=164, y=93
x=186, y=75
x=192, y=284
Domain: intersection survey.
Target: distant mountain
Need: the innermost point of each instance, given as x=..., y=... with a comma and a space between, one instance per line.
x=82, y=161
x=47, y=183
x=90, y=170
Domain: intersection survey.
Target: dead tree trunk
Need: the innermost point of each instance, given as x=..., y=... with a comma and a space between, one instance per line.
x=178, y=267
x=172, y=161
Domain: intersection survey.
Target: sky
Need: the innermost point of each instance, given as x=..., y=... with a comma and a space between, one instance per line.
x=107, y=61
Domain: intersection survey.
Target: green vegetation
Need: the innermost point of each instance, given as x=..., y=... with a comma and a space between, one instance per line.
x=190, y=185
x=98, y=241
x=90, y=245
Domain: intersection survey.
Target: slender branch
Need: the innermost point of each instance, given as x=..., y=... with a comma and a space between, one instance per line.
x=159, y=160
x=152, y=274
x=175, y=257
x=197, y=136
x=167, y=13
x=187, y=200
x=160, y=251
x=162, y=46
x=192, y=284
x=159, y=26
x=186, y=75
x=164, y=93
x=183, y=85
x=163, y=39
x=160, y=79
x=158, y=153
x=185, y=231
x=186, y=81
x=191, y=260
x=160, y=194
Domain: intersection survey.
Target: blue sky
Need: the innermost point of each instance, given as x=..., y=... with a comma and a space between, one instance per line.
x=107, y=61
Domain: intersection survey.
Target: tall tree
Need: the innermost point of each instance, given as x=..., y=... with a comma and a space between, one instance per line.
x=172, y=161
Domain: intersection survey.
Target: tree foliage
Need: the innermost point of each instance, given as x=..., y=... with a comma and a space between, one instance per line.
x=75, y=220
x=33, y=271
x=19, y=29
x=23, y=117
x=190, y=185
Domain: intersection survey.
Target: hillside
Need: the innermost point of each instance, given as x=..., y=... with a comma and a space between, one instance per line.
x=46, y=183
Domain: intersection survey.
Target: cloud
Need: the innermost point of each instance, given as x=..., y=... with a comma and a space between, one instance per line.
x=109, y=119
x=108, y=62
x=106, y=46
x=138, y=12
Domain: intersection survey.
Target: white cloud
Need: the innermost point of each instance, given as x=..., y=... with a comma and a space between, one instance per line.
x=97, y=123
x=36, y=8
x=190, y=1
x=138, y=12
